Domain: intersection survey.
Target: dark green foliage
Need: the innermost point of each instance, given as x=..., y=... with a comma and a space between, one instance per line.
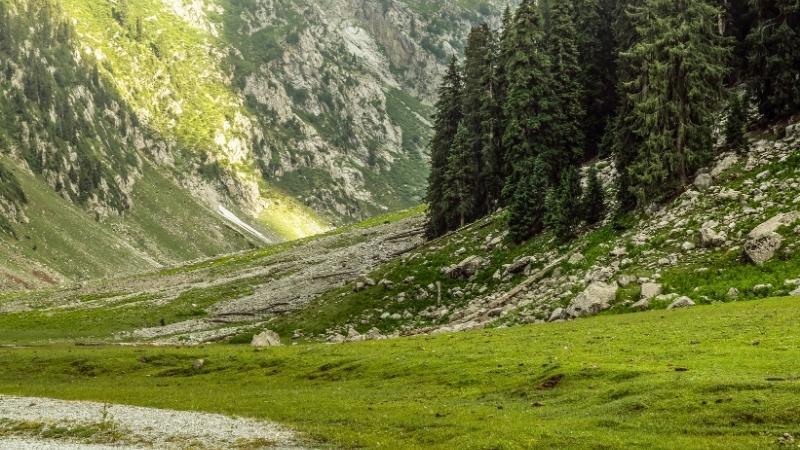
x=446, y=120
x=477, y=122
x=530, y=106
x=594, y=203
x=597, y=45
x=565, y=137
x=680, y=58
x=736, y=124
x=775, y=58
x=460, y=185
x=527, y=204
x=564, y=205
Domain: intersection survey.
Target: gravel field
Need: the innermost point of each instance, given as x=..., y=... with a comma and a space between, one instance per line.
x=139, y=427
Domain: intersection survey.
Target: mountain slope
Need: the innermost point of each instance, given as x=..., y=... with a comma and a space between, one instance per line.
x=379, y=279
x=185, y=129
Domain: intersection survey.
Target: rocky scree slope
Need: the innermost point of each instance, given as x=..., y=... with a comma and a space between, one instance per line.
x=289, y=114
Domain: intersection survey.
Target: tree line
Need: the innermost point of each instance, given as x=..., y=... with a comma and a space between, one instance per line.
x=562, y=82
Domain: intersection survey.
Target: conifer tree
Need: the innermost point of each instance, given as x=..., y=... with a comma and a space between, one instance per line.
x=622, y=136
x=565, y=137
x=462, y=171
x=477, y=118
x=736, y=124
x=495, y=163
x=775, y=58
x=527, y=202
x=446, y=120
x=682, y=67
x=594, y=204
x=597, y=46
x=564, y=205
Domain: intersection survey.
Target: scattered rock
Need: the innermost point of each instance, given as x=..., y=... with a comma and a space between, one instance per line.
x=625, y=280
x=687, y=246
x=576, y=258
x=651, y=290
x=703, y=181
x=724, y=164
x=557, y=314
x=682, y=302
x=733, y=293
x=386, y=284
x=641, y=305
x=198, y=364
x=762, y=289
x=764, y=241
x=466, y=268
x=518, y=266
x=266, y=338
x=336, y=339
x=710, y=238
x=597, y=297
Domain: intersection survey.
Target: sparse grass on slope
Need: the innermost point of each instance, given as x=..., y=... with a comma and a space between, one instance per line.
x=711, y=377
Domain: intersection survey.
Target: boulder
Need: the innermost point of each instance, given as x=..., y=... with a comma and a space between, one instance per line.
x=466, y=268
x=518, y=266
x=597, y=297
x=625, y=280
x=733, y=293
x=762, y=248
x=558, y=314
x=795, y=293
x=336, y=339
x=682, y=302
x=198, y=364
x=651, y=290
x=641, y=305
x=710, y=238
x=724, y=164
x=762, y=289
x=266, y=338
x=687, y=246
x=703, y=181
x=764, y=241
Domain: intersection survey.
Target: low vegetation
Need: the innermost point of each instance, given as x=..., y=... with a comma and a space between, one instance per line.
x=713, y=377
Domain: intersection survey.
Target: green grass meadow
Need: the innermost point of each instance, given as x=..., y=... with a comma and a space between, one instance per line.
x=720, y=376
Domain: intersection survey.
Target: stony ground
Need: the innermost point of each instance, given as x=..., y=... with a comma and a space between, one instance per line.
x=43, y=424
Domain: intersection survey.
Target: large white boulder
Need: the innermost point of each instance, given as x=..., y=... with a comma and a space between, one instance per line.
x=266, y=338
x=764, y=241
x=597, y=297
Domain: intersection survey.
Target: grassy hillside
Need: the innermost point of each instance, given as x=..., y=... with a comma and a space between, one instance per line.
x=712, y=377
x=63, y=242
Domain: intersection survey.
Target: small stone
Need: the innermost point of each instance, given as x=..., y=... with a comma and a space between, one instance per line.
x=198, y=364
x=687, y=246
x=641, y=305
x=682, y=302
x=733, y=293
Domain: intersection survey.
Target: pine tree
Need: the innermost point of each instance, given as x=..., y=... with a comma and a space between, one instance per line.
x=446, y=120
x=594, y=204
x=462, y=171
x=565, y=138
x=775, y=58
x=563, y=205
x=736, y=124
x=530, y=101
x=597, y=46
x=682, y=67
x=477, y=118
x=495, y=167
x=622, y=136
x=527, y=203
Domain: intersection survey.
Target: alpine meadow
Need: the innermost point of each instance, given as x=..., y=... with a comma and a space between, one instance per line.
x=399, y=224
